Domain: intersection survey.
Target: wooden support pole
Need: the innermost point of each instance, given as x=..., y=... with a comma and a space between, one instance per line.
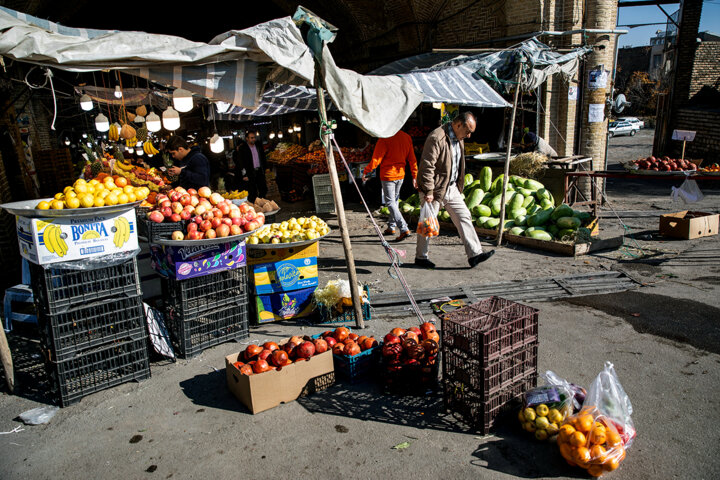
x=7, y=362
x=501, y=225
x=340, y=210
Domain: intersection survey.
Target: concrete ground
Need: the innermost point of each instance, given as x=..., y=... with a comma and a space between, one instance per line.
x=663, y=338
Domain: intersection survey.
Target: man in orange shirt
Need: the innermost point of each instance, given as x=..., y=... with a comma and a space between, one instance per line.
x=390, y=155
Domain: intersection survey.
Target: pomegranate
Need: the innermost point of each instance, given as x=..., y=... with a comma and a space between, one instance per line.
x=408, y=343
x=361, y=339
x=330, y=341
x=321, y=345
x=327, y=333
x=252, y=351
x=352, y=349
x=261, y=366
x=338, y=349
x=435, y=336
x=265, y=354
x=272, y=346
x=431, y=347
x=238, y=365
x=391, y=338
x=416, y=330
x=411, y=335
x=398, y=331
x=392, y=350
x=341, y=333
x=306, y=350
x=353, y=336
x=246, y=369
x=290, y=347
x=368, y=343
x=279, y=358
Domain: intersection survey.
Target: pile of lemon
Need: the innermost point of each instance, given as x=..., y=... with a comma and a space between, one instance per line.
x=235, y=194
x=293, y=230
x=95, y=193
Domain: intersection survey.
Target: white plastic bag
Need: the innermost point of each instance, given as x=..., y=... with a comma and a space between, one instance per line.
x=39, y=415
x=688, y=192
x=610, y=398
x=428, y=225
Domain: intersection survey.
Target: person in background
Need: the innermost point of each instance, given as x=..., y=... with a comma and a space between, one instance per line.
x=390, y=155
x=250, y=162
x=530, y=142
x=440, y=180
x=191, y=165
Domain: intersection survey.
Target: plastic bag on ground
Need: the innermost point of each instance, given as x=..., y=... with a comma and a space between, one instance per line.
x=39, y=415
x=688, y=192
x=428, y=225
x=579, y=393
x=546, y=407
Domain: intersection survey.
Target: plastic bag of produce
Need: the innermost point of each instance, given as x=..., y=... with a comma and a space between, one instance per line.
x=428, y=225
x=579, y=393
x=544, y=410
x=596, y=438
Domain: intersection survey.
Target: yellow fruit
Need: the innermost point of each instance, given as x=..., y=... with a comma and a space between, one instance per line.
x=578, y=439
x=43, y=205
x=595, y=470
x=99, y=202
x=99, y=187
x=521, y=416
x=111, y=199
x=93, y=182
x=81, y=188
x=542, y=423
x=131, y=197
x=554, y=415
x=128, y=188
x=140, y=194
x=529, y=426
x=103, y=194
x=541, y=434
x=57, y=205
x=598, y=435
x=122, y=198
x=613, y=438
x=117, y=191
x=598, y=454
x=72, y=202
x=65, y=190
x=542, y=410
x=87, y=200
x=552, y=429
x=582, y=456
x=70, y=194
x=59, y=196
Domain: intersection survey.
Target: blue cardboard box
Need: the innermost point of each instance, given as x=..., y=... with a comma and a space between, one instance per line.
x=285, y=305
x=286, y=275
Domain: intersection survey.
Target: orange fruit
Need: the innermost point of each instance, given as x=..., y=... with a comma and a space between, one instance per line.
x=598, y=454
x=598, y=435
x=582, y=456
x=578, y=439
x=611, y=464
x=595, y=470
x=121, y=181
x=584, y=423
x=566, y=432
x=566, y=451
x=613, y=438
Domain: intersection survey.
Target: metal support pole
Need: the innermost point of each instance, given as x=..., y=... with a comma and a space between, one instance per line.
x=501, y=225
x=340, y=209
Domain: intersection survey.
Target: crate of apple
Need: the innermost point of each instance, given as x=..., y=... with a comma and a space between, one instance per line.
x=206, y=214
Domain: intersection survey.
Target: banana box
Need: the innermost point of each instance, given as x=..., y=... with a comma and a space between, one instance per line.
x=285, y=305
x=268, y=255
x=285, y=276
x=197, y=260
x=51, y=240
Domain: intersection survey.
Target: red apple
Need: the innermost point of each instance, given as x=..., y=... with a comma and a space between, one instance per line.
x=184, y=200
x=195, y=235
x=175, y=217
x=174, y=196
x=167, y=211
x=165, y=203
x=208, y=216
x=250, y=226
x=217, y=212
x=197, y=219
x=235, y=213
x=185, y=215
x=210, y=234
x=224, y=208
x=192, y=191
x=237, y=221
x=204, y=192
x=194, y=200
x=199, y=210
x=177, y=235
x=227, y=221
x=156, y=216
x=223, y=230
x=235, y=230
x=192, y=227
x=216, y=198
x=216, y=222
x=205, y=225
x=245, y=208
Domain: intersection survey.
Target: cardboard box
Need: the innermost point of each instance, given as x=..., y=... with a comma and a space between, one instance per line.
x=689, y=225
x=285, y=305
x=285, y=276
x=51, y=240
x=269, y=389
x=257, y=256
x=195, y=261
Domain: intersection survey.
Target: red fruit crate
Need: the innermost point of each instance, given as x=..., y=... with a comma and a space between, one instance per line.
x=489, y=329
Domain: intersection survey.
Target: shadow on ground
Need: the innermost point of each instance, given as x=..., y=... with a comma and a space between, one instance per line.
x=681, y=320
x=210, y=390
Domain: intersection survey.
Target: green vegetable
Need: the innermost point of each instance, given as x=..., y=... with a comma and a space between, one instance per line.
x=474, y=198
x=485, y=178
x=469, y=188
x=521, y=220
x=540, y=235
x=517, y=212
x=529, y=201
x=526, y=192
x=546, y=204
x=416, y=212
x=516, y=201
x=468, y=179
x=583, y=216
x=385, y=211
x=497, y=183
x=480, y=222
x=553, y=229
x=532, y=229
x=566, y=233
x=413, y=200
x=568, y=222
x=406, y=208
x=509, y=224
x=444, y=216
x=533, y=185
x=539, y=218
x=533, y=209
x=481, y=211
x=492, y=223
x=517, y=230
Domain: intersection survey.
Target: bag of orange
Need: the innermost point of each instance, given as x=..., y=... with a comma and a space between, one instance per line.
x=428, y=225
x=597, y=437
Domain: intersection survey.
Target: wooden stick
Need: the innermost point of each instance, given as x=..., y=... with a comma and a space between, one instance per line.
x=7, y=362
x=683, y=152
x=340, y=209
x=501, y=225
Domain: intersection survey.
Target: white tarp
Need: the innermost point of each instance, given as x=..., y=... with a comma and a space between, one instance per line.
x=233, y=67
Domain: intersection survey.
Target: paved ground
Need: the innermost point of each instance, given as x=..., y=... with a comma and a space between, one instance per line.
x=183, y=423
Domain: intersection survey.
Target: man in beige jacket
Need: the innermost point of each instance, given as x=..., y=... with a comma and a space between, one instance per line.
x=441, y=171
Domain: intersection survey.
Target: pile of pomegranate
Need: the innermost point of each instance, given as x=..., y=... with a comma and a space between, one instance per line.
x=205, y=214
x=412, y=350
x=270, y=356
x=664, y=164
x=343, y=342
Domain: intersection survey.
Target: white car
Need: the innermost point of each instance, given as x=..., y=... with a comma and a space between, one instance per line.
x=622, y=128
x=634, y=121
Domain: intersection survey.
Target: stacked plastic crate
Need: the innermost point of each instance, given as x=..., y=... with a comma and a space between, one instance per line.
x=322, y=190
x=208, y=310
x=489, y=358
x=92, y=327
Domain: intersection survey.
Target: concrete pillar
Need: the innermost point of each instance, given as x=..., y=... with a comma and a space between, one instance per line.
x=599, y=14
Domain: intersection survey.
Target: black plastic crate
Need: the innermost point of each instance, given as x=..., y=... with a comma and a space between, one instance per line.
x=487, y=380
x=97, y=369
x=154, y=231
x=195, y=333
x=209, y=292
x=57, y=290
x=490, y=328
x=348, y=312
x=64, y=334
x=479, y=413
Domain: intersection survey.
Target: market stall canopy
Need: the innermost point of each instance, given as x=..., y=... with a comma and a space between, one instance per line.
x=276, y=100
x=498, y=68
x=232, y=67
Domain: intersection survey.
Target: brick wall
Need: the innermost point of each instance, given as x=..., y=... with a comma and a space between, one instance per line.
x=706, y=124
x=706, y=68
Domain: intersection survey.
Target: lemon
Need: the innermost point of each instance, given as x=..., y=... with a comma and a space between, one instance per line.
x=521, y=416
x=103, y=194
x=128, y=188
x=43, y=205
x=65, y=190
x=93, y=182
x=70, y=194
x=111, y=199
x=81, y=187
x=99, y=202
x=131, y=197
x=253, y=241
x=87, y=200
x=59, y=196
x=552, y=429
x=57, y=205
x=72, y=202
x=99, y=187
x=79, y=181
x=122, y=198
x=529, y=426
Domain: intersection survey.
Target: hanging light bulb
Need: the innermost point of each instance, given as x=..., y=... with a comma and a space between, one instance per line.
x=437, y=105
x=86, y=102
x=280, y=134
x=101, y=123
x=152, y=122
x=89, y=144
x=139, y=151
x=84, y=135
x=139, y=119
x=67, y=141
x=272, y=135
x=344, y=118
x=298, y=128
x=118, y=92
x=171, y=119
x=182, y=100
x=291, y=130
x=217, y=145
x=139, y=144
